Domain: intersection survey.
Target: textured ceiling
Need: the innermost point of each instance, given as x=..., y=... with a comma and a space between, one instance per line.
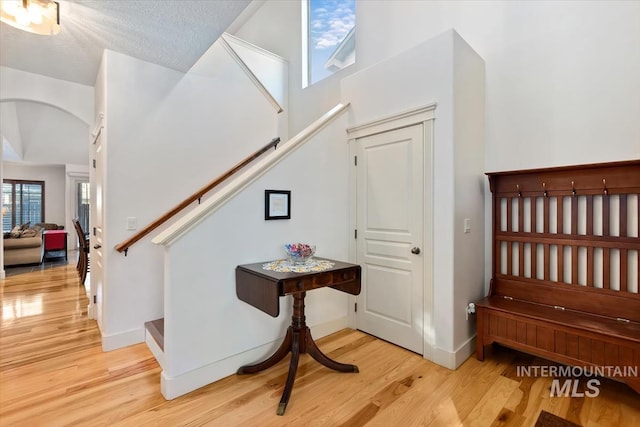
x=172, y=33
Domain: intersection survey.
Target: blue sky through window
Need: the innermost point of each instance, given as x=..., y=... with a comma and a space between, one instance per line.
x=329, y=22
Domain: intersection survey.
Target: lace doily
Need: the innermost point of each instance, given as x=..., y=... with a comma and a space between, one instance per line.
x=284, y=266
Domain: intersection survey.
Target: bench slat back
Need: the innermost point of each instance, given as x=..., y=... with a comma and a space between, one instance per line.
x=568, y=236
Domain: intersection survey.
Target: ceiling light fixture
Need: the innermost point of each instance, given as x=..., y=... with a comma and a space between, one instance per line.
x=34, y=16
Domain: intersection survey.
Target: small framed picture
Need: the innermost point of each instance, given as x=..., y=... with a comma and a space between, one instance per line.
x=277, y=204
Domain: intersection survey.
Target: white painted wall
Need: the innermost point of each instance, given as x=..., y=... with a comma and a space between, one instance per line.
x=73, y=98
x=205, y=323
x=269, y=68
x=168, y=134
x=45, y=120
x=9, y=131
x=561, y=75
x=469, y=167
x=54, y=187
x=100, y=90
x=50, y=135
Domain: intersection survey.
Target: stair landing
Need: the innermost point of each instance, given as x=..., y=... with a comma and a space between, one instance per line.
x=155, y=339
x=156, y=329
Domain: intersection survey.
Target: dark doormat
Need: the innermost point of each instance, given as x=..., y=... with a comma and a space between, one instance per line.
x=546, y=419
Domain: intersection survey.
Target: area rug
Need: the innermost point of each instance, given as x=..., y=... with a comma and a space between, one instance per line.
x=546, y=419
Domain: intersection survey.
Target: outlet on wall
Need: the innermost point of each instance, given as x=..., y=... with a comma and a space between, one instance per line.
x=471, y=309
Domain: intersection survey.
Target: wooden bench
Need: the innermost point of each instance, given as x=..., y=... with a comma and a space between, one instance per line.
x=565, y=267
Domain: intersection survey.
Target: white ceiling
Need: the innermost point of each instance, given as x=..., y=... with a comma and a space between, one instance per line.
x=172, y=33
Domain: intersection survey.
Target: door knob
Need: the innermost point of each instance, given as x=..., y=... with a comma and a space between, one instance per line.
x=415, y=250
x=99, y=246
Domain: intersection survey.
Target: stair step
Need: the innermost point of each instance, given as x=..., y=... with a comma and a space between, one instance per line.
x=156, y=329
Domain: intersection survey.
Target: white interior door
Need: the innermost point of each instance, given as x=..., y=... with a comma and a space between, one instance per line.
x=96, y=275
x=389, y=245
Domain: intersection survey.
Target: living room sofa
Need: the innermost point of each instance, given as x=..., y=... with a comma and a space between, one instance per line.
x=27, y=247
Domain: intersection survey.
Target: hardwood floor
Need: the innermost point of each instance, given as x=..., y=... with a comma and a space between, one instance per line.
x=54, y=373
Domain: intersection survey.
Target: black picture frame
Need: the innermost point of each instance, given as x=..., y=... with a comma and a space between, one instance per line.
x=277, y=204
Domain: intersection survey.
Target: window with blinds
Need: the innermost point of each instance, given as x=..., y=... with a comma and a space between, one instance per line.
x=83, y=204
x=22, y=202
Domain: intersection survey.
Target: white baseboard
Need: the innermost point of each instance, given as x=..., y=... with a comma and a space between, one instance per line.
x=452, y=360
x=91, y=311
x=2, y=274
x=200, y=377
x=122, y=339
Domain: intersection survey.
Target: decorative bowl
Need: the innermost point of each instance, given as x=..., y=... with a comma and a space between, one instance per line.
x=299, y=253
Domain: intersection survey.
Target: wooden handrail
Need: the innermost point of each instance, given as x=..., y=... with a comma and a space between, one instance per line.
x=124, y=246
x=241, y=181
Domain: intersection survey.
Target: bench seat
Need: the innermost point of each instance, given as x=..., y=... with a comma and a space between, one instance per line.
x=564, y=336
x=567, y=319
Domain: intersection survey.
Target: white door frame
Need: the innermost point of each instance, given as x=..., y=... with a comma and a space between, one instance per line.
x=412, y=117
x=95, y=134
x=75, y=178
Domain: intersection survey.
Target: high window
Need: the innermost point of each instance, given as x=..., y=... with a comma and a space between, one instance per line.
x=22, y=202
x=330, y=42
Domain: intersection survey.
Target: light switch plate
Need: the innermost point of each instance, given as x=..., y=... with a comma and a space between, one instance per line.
x=132, y=223
x=467, y=225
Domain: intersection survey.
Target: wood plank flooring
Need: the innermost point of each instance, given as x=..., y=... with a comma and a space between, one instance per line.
x=54, y=373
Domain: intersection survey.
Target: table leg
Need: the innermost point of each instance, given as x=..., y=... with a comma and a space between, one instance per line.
x=297, y=341
x=280, y=353
x=291, y=377
x=323, y=359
